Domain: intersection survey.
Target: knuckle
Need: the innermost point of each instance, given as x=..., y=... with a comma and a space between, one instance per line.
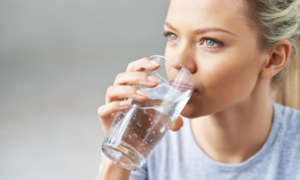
x=119, y=77
x=109, y=92
x=110, y=89
x=99, y=111
x=130, y=66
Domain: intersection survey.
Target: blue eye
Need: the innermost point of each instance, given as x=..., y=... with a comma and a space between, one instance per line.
x=170, y=36
x=210, y=43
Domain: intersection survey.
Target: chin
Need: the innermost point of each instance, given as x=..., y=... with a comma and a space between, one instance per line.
x=198, y=106
x=191, y=111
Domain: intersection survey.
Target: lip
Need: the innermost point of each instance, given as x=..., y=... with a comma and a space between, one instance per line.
x=181, y=87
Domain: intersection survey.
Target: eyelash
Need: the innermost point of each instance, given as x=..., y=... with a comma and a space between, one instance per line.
x=219, y=43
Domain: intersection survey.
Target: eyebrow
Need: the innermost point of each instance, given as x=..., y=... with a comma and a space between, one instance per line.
x=204, y=30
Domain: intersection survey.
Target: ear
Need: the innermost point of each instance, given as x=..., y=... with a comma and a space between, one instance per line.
x=276, y=60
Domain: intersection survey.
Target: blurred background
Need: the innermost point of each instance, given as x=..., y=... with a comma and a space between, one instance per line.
x=57, y=58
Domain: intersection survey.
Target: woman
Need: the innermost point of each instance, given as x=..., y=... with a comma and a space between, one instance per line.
x=237, y=53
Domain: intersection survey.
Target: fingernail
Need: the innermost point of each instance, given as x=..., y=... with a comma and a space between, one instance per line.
x=125, y=103
x=154, y=63
x=141, y=93
x=153, y=79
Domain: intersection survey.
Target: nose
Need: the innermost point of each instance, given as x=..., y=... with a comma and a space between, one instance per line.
x=186, y=58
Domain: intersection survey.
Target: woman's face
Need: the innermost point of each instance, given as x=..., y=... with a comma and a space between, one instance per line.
x=215, y=40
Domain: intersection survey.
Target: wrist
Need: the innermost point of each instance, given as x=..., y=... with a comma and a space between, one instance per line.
x=111, y=170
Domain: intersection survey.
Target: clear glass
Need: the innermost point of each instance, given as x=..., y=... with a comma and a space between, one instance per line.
x=135, y=132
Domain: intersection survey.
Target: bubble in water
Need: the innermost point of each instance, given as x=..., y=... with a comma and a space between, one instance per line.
x=139, y=124
x=162, y=129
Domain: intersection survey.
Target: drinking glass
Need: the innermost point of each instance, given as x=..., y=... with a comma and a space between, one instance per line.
x=135, y=132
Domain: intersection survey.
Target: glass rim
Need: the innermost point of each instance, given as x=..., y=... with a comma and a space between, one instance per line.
x=182, y=75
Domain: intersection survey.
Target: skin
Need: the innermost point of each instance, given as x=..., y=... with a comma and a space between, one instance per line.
x=231, y=108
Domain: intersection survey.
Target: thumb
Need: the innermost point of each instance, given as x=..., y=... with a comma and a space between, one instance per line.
x=177, y=124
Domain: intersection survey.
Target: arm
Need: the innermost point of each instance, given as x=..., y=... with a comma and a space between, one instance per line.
x=111, y=171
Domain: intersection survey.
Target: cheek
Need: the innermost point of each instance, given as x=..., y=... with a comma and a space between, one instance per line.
x=231, y=75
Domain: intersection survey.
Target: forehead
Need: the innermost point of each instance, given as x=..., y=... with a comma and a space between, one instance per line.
x=198, y=13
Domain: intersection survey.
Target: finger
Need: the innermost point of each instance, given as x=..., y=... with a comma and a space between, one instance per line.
x=108, y=109
x=142, y=64
x=177, y=124
x=136, y=78
x=118, y=93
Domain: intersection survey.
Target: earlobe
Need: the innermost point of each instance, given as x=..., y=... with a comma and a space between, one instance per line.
x=277, y=59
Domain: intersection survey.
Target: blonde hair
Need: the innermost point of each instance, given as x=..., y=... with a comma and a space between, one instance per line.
x=280, y=19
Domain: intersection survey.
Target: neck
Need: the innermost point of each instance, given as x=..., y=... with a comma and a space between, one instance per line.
x=237, y=133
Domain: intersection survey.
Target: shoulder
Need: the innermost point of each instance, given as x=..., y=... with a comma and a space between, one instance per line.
x=289, y=118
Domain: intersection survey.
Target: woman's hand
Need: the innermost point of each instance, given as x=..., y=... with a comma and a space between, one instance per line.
x=124, y=87
x=116, y=99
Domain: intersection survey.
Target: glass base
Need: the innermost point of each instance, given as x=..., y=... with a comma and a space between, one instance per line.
x=124, y=155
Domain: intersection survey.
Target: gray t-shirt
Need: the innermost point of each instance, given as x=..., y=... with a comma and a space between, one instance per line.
x=177, y=157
